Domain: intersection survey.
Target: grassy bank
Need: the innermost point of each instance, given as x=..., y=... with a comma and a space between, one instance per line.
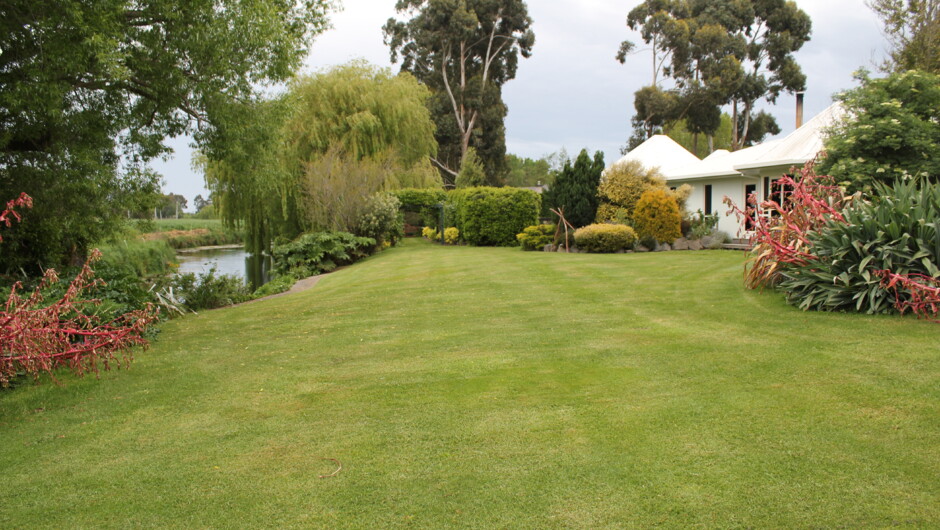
x=494, y=388
x=191, y=233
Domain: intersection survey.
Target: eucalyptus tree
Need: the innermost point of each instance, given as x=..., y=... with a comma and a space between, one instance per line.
x=465, y=51
x=722, y=52
x=90, y=89
x=913, y=30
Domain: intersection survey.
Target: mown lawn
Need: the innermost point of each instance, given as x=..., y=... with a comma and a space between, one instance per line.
x=493, y=388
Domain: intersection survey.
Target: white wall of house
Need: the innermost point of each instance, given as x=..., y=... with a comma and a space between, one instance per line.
x=732, y=187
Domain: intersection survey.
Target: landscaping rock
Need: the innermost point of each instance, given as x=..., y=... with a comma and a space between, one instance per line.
x=549, y=248
x=641, y=248
x=663, y=247
x=681, y=244
x=695, y=245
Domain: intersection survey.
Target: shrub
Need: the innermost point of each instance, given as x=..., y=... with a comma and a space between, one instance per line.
x=429, y=233
x=381, y=220
x=319, y=252
x=604, y=238
x=423, y=202
x=493, y=216
x=209, y=291
x=575, y=189
x=702, y=225
x=451, y=235
x=657, y=215
x=621, y=187
x=898, y=231
x=535, y=237
x=781, y=239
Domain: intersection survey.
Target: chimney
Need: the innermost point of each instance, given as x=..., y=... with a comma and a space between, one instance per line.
x=799, y=109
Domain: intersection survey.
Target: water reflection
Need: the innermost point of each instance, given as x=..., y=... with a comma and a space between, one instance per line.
x=253, y=269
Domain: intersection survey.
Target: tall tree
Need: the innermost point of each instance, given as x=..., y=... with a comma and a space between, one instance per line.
x=913, y=30
x=464, y=50
x=89, y=90
x=280, y=165
x=726, y=52
x=575, y=188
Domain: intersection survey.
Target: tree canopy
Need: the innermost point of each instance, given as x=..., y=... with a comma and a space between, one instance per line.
x=89, y=90
x=335, y=137
x=464, y=50
x=913, y=30
x=718, y=52
x=891, y=131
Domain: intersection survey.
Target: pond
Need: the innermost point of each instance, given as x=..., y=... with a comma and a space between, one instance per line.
x=254, y=270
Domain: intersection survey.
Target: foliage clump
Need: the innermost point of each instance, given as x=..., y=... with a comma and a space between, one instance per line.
x=381, y=220
x=898, y=230
x=471, y=173
x=657, y=216
x=493, y=216
x=319, y=252
x=605, y=238
x=535, y=237
x=451, y=235
x=891, y=131
x=575, y=188
x=621, y=187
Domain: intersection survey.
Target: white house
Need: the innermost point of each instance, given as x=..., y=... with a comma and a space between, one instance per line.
x=735, y=174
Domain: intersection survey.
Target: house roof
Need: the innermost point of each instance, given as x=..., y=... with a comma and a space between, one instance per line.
x=795, y=149
x=660, y=151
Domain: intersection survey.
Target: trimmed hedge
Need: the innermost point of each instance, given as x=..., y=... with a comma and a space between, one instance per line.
x=493, y=216
x=605, y=237
x=422, y=201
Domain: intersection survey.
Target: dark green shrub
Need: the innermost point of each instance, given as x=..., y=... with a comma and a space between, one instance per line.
x=536, y=237
x=604, y=238
x=493, y=216
x=382, y=220
x=898, y=230
x=319, y=252
x=208, y=291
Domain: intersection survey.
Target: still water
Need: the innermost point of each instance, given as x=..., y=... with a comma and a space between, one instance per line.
x=254, y=270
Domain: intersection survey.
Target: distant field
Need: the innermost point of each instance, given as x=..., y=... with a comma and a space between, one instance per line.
x=491, y=388
x=164, y=225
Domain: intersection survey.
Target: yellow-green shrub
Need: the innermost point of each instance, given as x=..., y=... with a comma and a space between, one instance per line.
x=604, y=238
x=535, y=237
x=624, y=183
x=429, y=233
x=657, y=216
x=451, y=235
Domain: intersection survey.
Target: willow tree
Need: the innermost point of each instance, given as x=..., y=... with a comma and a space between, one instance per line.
x=314, y=155
x=464, y=50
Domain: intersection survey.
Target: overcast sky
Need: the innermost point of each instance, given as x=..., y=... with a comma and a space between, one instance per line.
x=572, y=93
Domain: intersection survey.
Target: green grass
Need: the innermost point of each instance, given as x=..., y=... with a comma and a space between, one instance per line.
x=465, y=387
x=164, y=225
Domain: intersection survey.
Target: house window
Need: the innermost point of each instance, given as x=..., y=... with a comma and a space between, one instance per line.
x=749, y=189
x=777, y=191
x=708, y=199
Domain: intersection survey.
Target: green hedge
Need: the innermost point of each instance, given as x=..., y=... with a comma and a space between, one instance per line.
x=604, y=238
x=423, y=201
x=493, y=216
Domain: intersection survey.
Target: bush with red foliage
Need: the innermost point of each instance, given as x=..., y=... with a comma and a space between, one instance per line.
x=781, y=227
x=922, y=293
x=36, y=337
